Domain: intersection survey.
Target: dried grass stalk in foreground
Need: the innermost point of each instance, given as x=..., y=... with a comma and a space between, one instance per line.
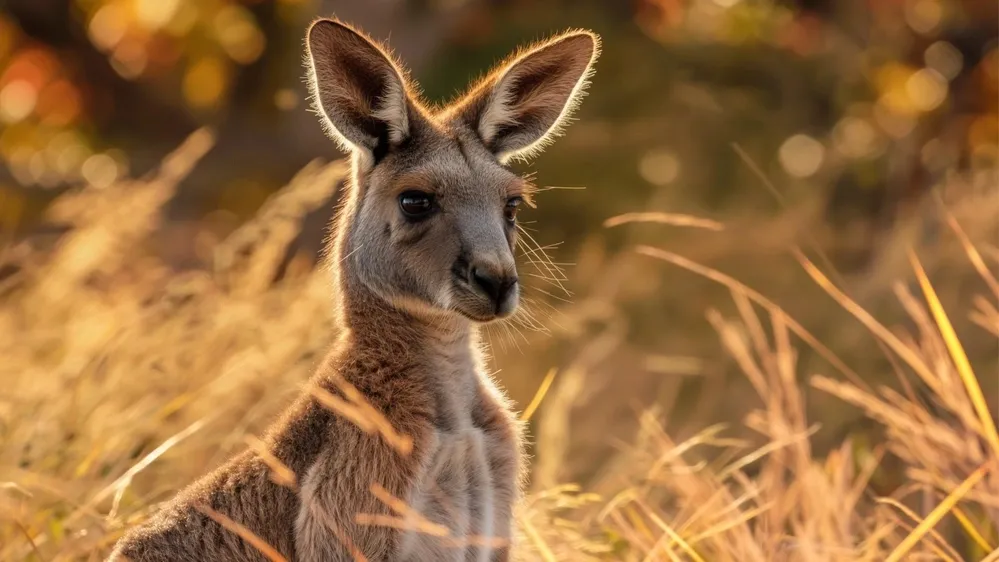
x=778, y=501
x=116, y=354
x=127, y=380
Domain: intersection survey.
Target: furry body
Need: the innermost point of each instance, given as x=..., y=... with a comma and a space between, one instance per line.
x=422, y=254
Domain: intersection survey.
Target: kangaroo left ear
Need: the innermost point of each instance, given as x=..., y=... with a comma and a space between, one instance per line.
x=526, y=101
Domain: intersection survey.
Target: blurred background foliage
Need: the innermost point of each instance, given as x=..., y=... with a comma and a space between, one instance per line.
x=833, y=124
x=875, y=97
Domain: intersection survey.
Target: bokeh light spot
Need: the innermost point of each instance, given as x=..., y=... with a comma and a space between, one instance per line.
x=927, y=89
x=36, y=169
x=285, y=99
x=855, y=137
x=896, y=124
x=944, y=58
x=108, y=26
x=923, y=16
x=70, y=159
x=100, y=170
x=129, y=59
x=205, y=82
x=59, y=103
x=801, y=156
x=17, y=101
x=659, y=167
x=18, y=161
x=31, y=65
x=154, y=14
x=185, y=18
x=238, y=34
x=64, y=154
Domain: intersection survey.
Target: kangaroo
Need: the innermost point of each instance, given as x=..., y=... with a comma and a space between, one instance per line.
x=422, y=254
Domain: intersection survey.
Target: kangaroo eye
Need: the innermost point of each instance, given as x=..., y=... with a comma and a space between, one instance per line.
x=416, y=204
x=512, y=206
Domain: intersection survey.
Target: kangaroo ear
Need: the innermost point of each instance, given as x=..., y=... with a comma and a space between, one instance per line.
x=357, y=88
x=525, y=102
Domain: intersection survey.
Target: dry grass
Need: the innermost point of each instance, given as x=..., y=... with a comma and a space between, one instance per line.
x=125, y=380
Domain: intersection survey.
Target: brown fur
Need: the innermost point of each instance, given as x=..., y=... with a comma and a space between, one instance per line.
x=408, y=299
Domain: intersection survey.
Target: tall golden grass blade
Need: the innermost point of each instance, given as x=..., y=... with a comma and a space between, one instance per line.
x=936, y=515
x=903, y=351
x=126, y=479
x=937, y=554
x=959, y=357
x=674, y=538
x=971, y=529
x=546, y=384
x=771, y=306
x=31, y=541
x=416, y=519
x=344, y=538
x=744, y=516
x=247, y=535
x=281, y=474
x=935, y=536
x=539, y=543
x=361, y=413
x=973, y=255
x=664, y=218
x=637, y=522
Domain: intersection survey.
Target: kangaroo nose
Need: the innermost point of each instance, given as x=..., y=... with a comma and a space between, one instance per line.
x=497, y=286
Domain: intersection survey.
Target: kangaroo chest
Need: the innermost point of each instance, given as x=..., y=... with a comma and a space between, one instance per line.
x=462, y=499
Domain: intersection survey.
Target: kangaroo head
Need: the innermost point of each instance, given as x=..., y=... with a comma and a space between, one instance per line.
x=430, y=222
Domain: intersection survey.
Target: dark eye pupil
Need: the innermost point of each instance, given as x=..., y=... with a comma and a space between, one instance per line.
x=512, y=206
x=415, y=204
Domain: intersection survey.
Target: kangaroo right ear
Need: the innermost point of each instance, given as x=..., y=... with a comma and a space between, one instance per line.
x=357, y=88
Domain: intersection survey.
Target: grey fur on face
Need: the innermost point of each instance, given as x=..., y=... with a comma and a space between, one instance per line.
x=458, y=259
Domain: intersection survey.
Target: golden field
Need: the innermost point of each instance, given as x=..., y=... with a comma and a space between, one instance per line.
x=124, y=379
